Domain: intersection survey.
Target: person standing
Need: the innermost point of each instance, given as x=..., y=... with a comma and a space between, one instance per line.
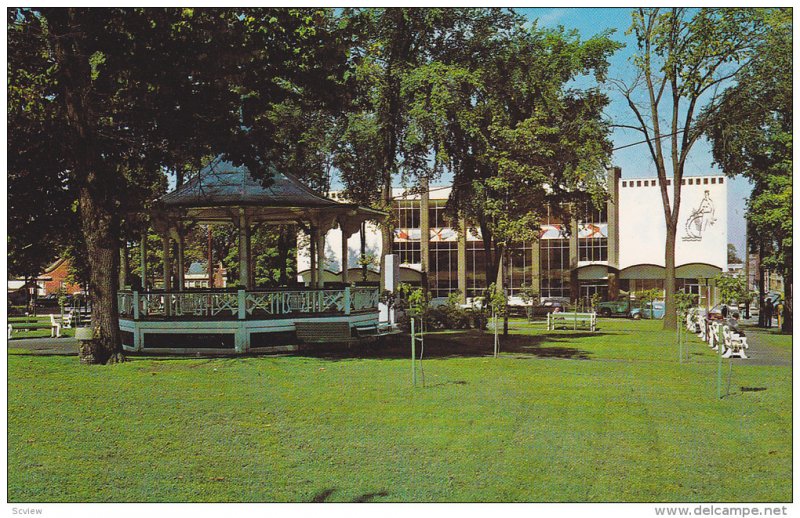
x=768, y=314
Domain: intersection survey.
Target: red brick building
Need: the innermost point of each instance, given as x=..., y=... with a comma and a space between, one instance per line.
x=55, y=277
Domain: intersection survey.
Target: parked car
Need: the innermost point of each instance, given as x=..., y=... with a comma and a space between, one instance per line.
x=715, y=313
x=549, y=306
x=615, y=308
x=652, y=310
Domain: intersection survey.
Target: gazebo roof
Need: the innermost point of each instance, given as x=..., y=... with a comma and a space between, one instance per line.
x=222, y=186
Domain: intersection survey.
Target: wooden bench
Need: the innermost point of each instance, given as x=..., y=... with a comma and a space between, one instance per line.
x=55, y=327
x=572, y=320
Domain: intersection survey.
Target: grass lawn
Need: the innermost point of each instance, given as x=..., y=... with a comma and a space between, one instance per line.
x=560, y=416
x=37, y=333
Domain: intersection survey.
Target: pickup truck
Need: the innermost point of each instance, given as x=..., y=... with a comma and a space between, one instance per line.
x=617, y=308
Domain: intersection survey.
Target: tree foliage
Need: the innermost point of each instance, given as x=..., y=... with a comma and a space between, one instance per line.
x=684, y=58
x=119, y=95
x=751, y=133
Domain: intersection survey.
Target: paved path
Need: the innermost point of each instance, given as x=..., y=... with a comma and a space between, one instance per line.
x=46, y=346
x=761, y=352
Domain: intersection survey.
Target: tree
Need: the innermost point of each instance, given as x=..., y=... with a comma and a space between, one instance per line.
x=515, y=137
x=732, y=290
x=733, y=254
x=751, y=133
x=394, y=43
x=123, y=94
x=684, y=57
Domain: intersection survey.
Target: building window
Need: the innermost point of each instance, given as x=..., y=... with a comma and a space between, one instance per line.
x=720, y=181
x=593, y=249
x=443, y=268
x=624, y=184
x=554, y=268
x=646, y=284
x=713, y=180
x=589, y=288
x=408, y=251
x=407, y=214
x=476, y=269
x=638, y=183
x=436, y=216
x=519, y=268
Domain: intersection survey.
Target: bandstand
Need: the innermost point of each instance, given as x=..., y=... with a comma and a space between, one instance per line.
x=244, y=318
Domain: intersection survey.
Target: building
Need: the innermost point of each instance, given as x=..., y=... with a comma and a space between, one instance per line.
x=50, y=282
x=619, y=247
x=197, y=276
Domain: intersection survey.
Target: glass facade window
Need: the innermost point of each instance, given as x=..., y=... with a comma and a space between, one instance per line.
x=593, y=249
x=519, y=266
x=436, y=216
x=554, y=268
x=589, y=288
x=408, y=214
x=645, y=284
x=476, y=269
x=688, y=286
x=408, y=251
x=443, y=268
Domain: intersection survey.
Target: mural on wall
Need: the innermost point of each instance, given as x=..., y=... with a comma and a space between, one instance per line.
x=553, y=232
x=700, y=219
x=592, y=230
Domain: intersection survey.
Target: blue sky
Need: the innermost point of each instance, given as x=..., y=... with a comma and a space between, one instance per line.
x=635, y=161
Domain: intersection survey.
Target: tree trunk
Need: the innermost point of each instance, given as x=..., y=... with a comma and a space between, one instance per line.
x=95, y=186
x=786, y=326
x=99, y=227
x=670, y=317
x=505, y=287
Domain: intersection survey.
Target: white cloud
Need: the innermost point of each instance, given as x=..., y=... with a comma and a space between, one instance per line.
x=552, y=17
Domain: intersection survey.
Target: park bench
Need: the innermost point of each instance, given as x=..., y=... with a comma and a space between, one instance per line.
x=339, y=332
x=572, y=320
x=735, y=344
x=55, y=327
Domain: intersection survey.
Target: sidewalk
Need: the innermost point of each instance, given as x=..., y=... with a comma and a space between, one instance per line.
x=46, y=346
x=762, y=352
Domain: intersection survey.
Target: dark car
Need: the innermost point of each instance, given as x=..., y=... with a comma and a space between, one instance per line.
x=549, y=306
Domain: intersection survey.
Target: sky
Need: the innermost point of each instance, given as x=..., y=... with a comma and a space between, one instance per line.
x=635, y=161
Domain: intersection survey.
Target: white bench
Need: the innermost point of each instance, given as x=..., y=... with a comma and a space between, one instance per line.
x=572, y=320
x=735, y=344
x=55, y=327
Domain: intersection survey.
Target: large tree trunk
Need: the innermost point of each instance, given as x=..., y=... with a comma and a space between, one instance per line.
x=99, y=227
x=99, y=223
x=670, y=315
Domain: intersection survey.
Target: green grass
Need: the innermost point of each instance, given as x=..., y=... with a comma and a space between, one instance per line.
x=37, y=333
x=627, y=424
